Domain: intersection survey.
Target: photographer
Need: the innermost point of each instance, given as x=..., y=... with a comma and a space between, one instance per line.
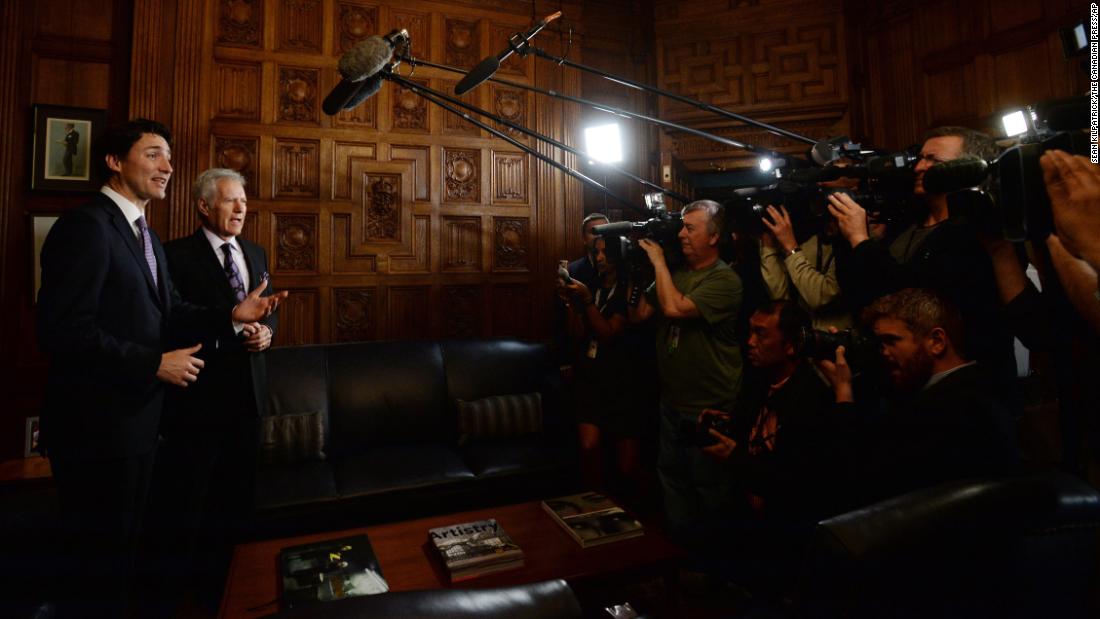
x=699, y=364
x=939, y=251
x=804, y=272
x=779, y=443
x=607, y=410
x=946, y=419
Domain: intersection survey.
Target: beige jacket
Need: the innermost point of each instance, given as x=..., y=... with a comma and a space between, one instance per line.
x=796, y=277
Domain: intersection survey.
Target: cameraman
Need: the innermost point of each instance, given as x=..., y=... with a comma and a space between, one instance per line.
x=781, y=441
x=699, y=365
x=938, y=252
x=946, y=420
x=806, y=271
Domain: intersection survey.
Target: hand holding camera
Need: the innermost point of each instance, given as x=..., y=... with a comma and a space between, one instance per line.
x=713, y=432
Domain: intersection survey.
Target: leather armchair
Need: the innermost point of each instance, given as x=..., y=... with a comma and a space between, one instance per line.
x=1005, y=547
x=552, y=599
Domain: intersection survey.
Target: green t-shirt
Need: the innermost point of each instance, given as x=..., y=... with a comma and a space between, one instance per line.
x=698, y=359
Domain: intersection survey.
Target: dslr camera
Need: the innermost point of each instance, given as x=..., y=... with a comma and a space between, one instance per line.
x=723, y=424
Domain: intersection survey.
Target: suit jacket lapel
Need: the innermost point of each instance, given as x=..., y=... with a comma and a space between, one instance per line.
x=124, y=228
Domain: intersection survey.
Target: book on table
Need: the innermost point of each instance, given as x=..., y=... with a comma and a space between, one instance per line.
x=472, y=549
x=329, y=570
x=592, y=519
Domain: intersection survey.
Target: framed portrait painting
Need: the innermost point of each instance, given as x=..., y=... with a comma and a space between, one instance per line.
x=64, y=140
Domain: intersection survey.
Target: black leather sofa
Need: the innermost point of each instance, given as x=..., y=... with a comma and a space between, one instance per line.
x=552, y=599
x=1026, y=546
x=391, y=446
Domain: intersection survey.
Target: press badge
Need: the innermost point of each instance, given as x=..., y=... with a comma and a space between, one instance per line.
x=593, y=349
x=673, y=338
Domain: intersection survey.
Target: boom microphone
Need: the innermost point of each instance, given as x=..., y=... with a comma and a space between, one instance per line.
x=490, y=64
x=961, y=173
x=357, y=66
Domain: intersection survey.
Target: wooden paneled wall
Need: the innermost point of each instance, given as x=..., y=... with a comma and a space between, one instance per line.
x=918, y=65
x=777, y=61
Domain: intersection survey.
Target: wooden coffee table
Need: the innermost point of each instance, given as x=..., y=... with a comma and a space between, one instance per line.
x=408, y=561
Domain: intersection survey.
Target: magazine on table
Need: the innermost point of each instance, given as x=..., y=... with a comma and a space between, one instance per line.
x=592, y=519
x=471, y=549
x=329, y=570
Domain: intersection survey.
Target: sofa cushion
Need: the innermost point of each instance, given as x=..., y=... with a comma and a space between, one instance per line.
x=501, y=416
x=286, y=439
x=293, y=381
x=515, y=455
x=482, y=368
x=386, y=393
x=294, y=484
x=395, y=467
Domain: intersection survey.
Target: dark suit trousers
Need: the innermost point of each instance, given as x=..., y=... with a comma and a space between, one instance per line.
x=101, y=505
x=199, y=505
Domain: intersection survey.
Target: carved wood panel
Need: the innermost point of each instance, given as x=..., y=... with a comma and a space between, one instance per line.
x=300, y=23
x=408, y=311
x=511, y=244
x=463, y=42
x=418, y=25
x=362, y=116
x=240, y=23
x=512, y=310
x=240, y=154
x=461, y=243
x=349, y=258
x=462, y=318
x=354, y=22
x=509, y=181
x=461, y=175
x=299, y=318
x=237, y=91
x=297, y=168
x=420, y=157
x=345, y=158
x=410, y=110
x=511, y=105
x=299, y=95
x=354, y=314
x=382, y=207
x=455, y=124
x=420, y=259
x=295, y=242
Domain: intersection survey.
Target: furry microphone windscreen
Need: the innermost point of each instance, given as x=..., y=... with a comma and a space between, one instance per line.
x=365, y=59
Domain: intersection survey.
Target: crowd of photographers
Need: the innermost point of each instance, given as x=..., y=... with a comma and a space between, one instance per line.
x=816, y=371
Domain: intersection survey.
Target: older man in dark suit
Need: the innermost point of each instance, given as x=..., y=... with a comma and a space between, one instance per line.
x=209, y=429
x=105, y=311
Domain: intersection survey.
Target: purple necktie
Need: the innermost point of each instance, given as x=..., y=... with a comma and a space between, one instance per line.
x=147, y=247
x=232, y=273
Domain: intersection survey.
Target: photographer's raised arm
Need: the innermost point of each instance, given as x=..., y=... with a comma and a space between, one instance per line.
x=673, y=302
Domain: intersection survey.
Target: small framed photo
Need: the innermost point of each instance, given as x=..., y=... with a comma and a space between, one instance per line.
x=40, y=227
x=30, y=439
x=64, y=140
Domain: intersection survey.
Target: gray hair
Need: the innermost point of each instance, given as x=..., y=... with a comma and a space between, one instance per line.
x=713, y=211
x=206, y=185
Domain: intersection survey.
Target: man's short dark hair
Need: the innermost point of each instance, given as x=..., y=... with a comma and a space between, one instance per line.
x=593, y=217
x=793, y=320
x=974, y=142
x=121, y=138
x=921, y=310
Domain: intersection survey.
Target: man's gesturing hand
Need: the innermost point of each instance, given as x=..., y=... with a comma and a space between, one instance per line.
x=179, y=367
x=254, y=307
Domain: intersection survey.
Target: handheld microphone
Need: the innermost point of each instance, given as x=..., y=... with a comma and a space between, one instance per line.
x=358, y=66
x=490, y=64
x=961, y=173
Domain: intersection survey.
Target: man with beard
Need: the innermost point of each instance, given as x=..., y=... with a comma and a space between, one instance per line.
x=945, y=420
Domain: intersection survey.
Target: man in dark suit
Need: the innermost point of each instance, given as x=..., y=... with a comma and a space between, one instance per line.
x=105, y=311
x=209, y=429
